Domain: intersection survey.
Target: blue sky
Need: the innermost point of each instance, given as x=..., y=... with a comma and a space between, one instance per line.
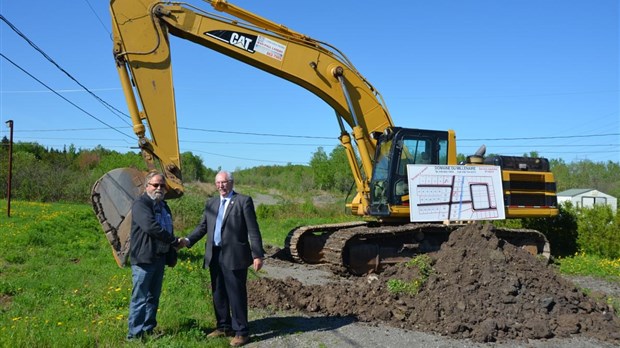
x=515, y=75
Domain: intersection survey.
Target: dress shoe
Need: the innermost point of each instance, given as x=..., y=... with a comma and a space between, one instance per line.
x=238, y=341
x=221, y=333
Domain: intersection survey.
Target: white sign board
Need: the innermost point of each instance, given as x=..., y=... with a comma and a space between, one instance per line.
x=455, y=193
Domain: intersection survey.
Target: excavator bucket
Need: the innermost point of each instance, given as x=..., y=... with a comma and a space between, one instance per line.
x=112, y=197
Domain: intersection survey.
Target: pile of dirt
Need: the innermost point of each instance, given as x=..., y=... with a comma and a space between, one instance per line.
x=481, y=288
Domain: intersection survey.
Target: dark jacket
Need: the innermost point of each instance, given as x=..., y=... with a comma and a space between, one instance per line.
x=241, y=239
x=148, y=239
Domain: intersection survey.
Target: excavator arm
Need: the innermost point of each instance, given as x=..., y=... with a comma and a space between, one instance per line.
x=142, y=53
x=141, y=33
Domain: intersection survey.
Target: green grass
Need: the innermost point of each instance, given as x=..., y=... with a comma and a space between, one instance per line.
x=60, y=285
x=582, y=264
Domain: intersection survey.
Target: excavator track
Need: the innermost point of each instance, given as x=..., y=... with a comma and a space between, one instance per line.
x=305, y=243
x=359, y=248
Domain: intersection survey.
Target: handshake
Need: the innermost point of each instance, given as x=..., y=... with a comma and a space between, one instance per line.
x=181, y=243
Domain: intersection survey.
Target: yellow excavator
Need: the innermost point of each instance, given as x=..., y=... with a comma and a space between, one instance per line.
x=378, y=151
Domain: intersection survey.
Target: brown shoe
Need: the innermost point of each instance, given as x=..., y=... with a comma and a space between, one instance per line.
x=239, y=341
x=221, y=333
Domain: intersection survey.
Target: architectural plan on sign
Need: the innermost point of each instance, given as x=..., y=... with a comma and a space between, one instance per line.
x=455, y=193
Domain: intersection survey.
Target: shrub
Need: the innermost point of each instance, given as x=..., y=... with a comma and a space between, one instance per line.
x=187, y=210
x=599, y=232
x=561, y=231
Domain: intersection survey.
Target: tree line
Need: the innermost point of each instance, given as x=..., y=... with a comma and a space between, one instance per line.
x=50, y=175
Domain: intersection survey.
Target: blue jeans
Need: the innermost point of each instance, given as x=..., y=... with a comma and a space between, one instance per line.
x=147, y=282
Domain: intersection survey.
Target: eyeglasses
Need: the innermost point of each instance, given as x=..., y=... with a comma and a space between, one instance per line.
x=158, y=185
x=223, y=182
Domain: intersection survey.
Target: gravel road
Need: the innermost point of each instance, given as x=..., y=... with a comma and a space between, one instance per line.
x=280, y=330
x=299, y=330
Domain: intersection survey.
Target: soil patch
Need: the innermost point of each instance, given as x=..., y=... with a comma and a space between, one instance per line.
x=481, y=289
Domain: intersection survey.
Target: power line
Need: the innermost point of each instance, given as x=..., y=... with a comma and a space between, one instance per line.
x=258, y=134
x=185, y=128
x=98, y=18
x=58, y=146
x=62, y=130
x=249, y=143
x=245, y=159
x=67, y=100
x=33, y=45
x=528, y=95
x=184, y=141
x=554, y=152
x=70, y=139
x=559, y=145
x=539, y=138
x=332, y=138
x=59, y=90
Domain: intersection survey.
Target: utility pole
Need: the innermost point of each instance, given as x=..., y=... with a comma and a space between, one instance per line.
x=9, y=123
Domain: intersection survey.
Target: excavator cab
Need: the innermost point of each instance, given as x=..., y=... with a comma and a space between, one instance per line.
x=397, y=147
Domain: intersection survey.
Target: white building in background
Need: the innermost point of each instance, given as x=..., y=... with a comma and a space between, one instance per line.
x=587, y=198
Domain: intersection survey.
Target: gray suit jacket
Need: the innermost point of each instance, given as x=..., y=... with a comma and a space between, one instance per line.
x=241, y=239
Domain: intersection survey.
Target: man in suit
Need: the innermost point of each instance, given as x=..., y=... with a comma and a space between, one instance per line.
x=233, y=244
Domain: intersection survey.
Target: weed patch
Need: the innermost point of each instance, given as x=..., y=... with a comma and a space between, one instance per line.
x=422, y=266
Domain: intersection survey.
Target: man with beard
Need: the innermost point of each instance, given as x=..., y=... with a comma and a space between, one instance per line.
x=152, y=237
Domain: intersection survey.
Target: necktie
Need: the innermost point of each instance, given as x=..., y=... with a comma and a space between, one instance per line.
x=217, y=237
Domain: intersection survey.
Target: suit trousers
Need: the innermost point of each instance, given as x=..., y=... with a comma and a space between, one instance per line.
x=230, y=296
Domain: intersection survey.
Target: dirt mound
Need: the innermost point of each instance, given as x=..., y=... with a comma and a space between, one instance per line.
x=481, y=288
